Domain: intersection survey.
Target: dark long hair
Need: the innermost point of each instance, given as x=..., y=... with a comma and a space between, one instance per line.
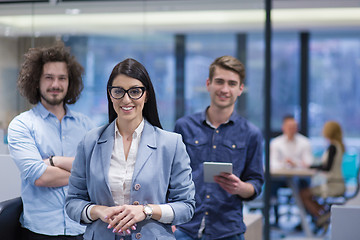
x=132, y=68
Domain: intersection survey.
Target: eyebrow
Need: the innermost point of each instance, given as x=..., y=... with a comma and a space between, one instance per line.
x=50, y=74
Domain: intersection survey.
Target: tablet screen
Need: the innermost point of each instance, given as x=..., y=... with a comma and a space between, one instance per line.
x=212, y=169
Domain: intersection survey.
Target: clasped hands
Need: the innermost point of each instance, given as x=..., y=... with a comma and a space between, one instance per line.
x=122, y=219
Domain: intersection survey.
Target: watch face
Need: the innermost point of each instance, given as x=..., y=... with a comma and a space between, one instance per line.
x=148, y=211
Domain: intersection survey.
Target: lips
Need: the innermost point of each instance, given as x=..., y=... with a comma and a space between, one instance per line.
x=223, y=97
x=54, y=91
x=127, y=108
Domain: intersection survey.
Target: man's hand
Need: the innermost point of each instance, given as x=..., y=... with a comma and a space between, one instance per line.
x=233, y=185
x=290, y=163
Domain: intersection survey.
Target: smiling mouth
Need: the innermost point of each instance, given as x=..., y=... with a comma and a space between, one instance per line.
x=54, y=91
x=223, y=96
x=127, y=108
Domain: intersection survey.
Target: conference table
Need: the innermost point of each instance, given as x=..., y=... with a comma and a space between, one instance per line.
x=292, y=175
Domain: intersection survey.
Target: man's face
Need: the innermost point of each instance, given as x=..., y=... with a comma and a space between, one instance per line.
x=54, y=83
x=290, y=127
x=224, y=88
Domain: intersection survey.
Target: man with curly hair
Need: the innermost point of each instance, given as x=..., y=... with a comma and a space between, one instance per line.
x=43, y=141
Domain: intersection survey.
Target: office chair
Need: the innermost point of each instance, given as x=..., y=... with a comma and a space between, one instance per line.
x=351, y=174
x=10, y=211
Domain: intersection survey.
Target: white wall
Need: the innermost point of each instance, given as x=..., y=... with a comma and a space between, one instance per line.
x=10, y=183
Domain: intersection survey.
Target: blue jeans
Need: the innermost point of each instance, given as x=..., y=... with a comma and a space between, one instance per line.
x=180, y=235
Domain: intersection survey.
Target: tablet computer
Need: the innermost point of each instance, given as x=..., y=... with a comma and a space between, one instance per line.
x=212, y=169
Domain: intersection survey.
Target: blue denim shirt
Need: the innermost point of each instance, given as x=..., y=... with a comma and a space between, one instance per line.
x=237, y=141
x=36, y=135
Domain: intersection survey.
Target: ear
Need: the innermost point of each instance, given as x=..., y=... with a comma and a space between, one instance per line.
x=241, y=89
x=208, y=83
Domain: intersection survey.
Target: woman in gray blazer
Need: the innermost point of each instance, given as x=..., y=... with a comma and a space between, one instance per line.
x=131, y=179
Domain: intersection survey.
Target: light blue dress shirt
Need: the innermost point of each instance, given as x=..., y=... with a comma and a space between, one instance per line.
x=36, y=135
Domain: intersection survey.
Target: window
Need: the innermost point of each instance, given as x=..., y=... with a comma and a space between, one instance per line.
x=99, y=55
x=201, y=51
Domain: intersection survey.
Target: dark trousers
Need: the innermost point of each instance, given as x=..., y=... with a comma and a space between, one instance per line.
x=29, y=235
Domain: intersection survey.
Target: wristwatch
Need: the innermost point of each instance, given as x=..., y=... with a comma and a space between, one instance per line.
x=51, y=160
x=148, y=211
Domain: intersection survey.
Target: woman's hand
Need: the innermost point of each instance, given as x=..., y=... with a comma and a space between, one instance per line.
x=105, y=213
x=125, y=218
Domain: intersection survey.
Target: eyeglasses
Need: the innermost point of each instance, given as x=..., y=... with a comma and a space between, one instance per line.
x=134, y=93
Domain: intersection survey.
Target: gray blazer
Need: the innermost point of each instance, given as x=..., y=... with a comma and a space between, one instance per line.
x=162, y=174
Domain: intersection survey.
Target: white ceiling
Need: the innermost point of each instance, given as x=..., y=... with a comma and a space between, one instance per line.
x=124, y=17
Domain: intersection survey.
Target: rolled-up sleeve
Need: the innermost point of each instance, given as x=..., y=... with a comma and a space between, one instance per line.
x=24, y=152
x=254, y=173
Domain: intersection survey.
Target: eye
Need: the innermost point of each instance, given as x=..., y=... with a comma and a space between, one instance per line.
x=219, y=81
x=135, y=91
x=233, y=83
x=118, y=91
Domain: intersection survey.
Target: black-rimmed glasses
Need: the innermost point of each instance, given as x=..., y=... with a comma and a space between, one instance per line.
x=134, y=92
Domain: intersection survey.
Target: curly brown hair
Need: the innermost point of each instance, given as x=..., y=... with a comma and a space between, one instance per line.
x=32, y=68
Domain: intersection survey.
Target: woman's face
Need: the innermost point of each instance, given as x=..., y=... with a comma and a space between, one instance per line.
x=128, y=109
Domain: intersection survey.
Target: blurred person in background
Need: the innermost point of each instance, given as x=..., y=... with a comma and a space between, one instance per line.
x=289, y=150
x=330, y=182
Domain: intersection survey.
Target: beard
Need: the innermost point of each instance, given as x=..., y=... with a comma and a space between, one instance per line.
x=52, y=101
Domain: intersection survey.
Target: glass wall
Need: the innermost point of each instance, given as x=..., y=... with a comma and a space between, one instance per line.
x=99, y=54
x=201, y=51
x=334, y=89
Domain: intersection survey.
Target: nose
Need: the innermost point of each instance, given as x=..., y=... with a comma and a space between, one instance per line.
x=55, y=82
x=126, y=98
x=225, y=88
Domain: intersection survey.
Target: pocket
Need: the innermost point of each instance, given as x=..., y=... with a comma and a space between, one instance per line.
x=235, y=152
x=89, y=234
x=197, y=148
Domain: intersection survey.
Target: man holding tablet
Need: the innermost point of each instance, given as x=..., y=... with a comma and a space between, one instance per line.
x=219, y=134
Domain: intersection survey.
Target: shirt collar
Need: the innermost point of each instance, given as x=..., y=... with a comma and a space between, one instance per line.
x=44, y=113
x=204, y=119
x=137, y=133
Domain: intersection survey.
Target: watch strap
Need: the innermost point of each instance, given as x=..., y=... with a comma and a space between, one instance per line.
x=51, y=160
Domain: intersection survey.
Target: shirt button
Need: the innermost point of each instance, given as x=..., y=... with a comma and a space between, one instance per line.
x=206, y=213
x=207, y=196
x=137, y=187
x=138, y=235
x=196, y=142
x=217, y=131
x=233, y=146
x=136, y=203
x=214, y=147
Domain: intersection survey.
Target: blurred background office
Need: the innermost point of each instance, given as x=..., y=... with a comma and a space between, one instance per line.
x=315, y=56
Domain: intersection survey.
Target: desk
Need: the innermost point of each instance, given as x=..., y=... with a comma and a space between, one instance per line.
x=291, y=175
x=253, y=223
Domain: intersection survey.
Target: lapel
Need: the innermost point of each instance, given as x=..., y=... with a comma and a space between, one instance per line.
x=146, y=147
x=105, y=145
